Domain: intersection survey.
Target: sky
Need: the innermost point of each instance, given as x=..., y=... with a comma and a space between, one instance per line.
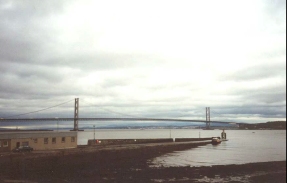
x=160, y=59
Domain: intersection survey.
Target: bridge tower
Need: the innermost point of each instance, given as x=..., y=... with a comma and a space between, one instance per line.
x=207, y=117
x=76, y=114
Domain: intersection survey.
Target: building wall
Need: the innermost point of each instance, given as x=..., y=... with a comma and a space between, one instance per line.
x=38, y=140
x=5, y=145
x=40, y=143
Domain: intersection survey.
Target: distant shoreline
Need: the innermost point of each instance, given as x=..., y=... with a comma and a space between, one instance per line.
x=272, y=125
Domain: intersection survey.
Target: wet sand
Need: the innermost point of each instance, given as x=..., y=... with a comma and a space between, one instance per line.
x=126, y=164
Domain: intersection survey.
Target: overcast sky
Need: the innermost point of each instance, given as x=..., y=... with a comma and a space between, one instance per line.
x=165, y=59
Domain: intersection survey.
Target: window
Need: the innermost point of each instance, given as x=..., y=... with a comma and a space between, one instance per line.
x=35, y=140
x=72, y=139
x=45, y=140
x=54, y=140
x=5, y=144
x=63, y=139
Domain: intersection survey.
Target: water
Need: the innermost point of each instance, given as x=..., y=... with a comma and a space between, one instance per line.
x=244, y=146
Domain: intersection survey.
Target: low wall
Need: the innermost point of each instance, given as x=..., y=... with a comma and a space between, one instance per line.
x=191, y=139
x=127, y=141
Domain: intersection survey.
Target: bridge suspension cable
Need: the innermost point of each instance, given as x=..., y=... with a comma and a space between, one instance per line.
x=215, y=112
x=92, y=105
x=39, y=110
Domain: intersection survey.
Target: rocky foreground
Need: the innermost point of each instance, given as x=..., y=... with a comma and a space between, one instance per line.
x=126, y=164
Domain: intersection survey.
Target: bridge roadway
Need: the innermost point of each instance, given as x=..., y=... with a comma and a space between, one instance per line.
x=109, y=119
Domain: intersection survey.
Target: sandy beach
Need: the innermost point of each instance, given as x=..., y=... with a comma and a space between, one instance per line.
x=126, y=164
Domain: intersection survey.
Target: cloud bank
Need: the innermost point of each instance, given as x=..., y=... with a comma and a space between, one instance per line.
x=161, y=59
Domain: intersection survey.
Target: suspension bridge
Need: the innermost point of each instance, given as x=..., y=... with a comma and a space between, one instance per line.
x=76, y=118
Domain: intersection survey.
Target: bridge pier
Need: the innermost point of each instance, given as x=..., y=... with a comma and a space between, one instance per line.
x=207, y=126
x=207, y=117
x=76, y=115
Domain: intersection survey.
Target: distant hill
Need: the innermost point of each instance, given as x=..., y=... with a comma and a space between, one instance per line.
x=271, y=125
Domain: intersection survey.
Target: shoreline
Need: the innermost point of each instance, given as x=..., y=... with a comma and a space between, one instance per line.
x=127, y=164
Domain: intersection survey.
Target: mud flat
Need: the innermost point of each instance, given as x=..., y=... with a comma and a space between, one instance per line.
x=127, y=163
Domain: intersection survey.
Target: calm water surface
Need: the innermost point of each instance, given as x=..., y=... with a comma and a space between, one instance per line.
x=244, y=146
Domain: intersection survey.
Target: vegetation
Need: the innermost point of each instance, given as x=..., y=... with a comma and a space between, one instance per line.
x=271, y=125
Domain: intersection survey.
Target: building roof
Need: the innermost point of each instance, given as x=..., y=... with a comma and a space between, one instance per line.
x=38, y=134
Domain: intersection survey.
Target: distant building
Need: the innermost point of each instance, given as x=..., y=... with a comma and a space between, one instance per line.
x=38, y=140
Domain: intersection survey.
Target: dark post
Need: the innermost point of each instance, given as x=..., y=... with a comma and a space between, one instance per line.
x=94, y=135
x=57, y=124
x=223, y=134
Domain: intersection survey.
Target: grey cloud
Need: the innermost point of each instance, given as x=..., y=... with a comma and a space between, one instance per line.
x=275, y=15
x=16, y=49
x=275, y=6
x=267, y=98
x=14, y=8
x=255, y=111
x=26, y=37
x=93, y=62
x=33, y=60
x=115, y=82
x=271, y=95
x=34, y=85
x=21, y=28
x=256, y=72
x=98, y=61
x=275, y=54
x=28, y=72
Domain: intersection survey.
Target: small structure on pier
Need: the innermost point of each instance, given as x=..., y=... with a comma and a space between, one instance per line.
x=223, y=135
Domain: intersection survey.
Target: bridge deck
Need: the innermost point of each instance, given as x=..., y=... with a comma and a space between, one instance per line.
x=110, y=119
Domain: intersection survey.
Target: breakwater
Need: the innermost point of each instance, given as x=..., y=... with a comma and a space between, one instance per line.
x=92, y=142
x=191, y=139
x=127, y=141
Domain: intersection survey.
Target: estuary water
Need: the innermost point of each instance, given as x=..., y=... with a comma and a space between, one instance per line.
x=243, y=146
